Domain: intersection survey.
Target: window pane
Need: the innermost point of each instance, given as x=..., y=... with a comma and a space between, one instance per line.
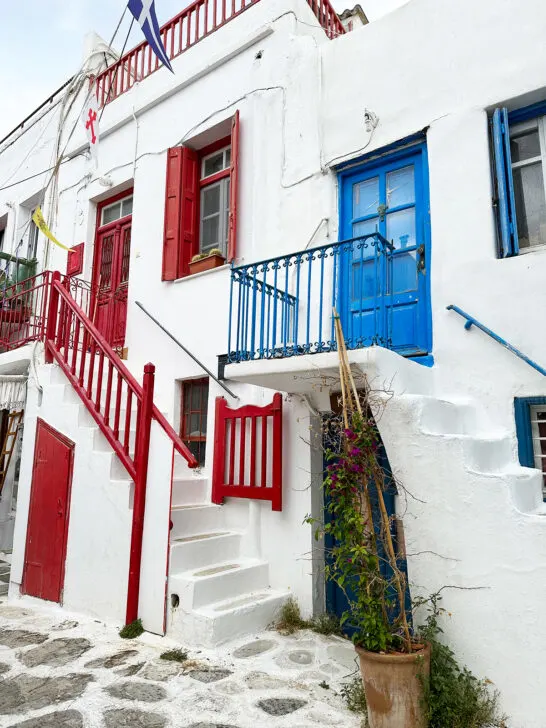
x=530, y=205
x=401, y=228
x=228, y=156
x=213, y=164
x=401, y=187
x=109, y=214
x=525, y=146
x=127, y=207
x=210, y=200
x=211, y=229
x=366, y=197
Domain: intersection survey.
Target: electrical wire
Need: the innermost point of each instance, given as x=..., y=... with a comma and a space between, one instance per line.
x=117, y=68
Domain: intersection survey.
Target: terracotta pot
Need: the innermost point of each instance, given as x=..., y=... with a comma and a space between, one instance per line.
x=394, y=689
x=211, y=261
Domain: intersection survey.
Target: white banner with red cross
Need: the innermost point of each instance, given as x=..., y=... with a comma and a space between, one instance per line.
x=90, y=118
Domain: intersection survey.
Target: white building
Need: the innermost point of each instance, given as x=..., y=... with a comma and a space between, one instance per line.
x=418, y=137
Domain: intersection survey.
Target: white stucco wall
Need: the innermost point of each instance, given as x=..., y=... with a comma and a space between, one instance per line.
x=425, y=65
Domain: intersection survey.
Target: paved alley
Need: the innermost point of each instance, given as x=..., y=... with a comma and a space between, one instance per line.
x=59, y=672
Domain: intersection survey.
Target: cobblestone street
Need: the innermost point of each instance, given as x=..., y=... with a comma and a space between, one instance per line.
x=60, y=672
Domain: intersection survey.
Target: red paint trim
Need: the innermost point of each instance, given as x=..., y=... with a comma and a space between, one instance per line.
x=215, y=146
x=253, y=489
x=144, y=425
x=212, y=178
x=234, y=188
x=71, y=446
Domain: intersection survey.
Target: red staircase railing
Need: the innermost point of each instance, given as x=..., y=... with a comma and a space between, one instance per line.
x=248, y=452
x=194, y=23
x=117, y=402
x=107, y=388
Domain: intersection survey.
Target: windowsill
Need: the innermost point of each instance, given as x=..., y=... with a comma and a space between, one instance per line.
x=532, y=249
x=193, y=276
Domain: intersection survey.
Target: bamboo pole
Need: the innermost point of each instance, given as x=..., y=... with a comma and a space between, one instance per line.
x=348, y=383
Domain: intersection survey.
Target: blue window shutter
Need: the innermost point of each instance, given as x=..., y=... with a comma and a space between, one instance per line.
x=522, y=411
x=505, y=185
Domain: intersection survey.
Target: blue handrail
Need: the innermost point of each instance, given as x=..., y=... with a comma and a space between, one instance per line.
x=471, y=321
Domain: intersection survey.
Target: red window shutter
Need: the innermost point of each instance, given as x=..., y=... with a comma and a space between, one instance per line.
x=234, y=184
x=189, y=240
x=173, y=207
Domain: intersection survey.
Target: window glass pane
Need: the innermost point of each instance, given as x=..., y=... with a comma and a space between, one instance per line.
x=111, y=213
x=401, y=187
x=530, y=205
x=127, y=207
x=210, y=200
x=213, y=164
x=210, y=234
x=366, y=197
x=228, y=157
x=401, y=228
x=525, y=146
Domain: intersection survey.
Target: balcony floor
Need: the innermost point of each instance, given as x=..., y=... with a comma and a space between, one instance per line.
x=317, y=375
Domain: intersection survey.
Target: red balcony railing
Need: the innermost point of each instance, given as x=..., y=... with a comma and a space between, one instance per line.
x=24, y=305
x=194, y=23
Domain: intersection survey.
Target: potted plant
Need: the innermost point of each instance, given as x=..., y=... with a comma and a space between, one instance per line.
x=363, y=562
x=207, y=261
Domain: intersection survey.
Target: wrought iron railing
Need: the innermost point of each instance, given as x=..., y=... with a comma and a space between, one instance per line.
x=284, y=306
x=199, y=19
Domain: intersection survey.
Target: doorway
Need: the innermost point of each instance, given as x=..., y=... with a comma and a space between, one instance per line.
x=111, y=267
x=388, y=196
x=47, y=527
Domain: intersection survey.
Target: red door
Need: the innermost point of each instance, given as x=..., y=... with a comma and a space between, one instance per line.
x=111, y=276
x=47, y=528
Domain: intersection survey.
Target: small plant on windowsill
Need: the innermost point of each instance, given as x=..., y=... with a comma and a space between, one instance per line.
x=207, y=261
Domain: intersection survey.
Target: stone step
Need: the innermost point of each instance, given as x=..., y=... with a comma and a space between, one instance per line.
x=218, y=582
x=445, y=417
x=223, y=621
x=194, y=519
x=190, y=490
x=193, y=552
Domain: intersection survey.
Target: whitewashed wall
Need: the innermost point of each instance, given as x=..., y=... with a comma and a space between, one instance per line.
x=426, y=65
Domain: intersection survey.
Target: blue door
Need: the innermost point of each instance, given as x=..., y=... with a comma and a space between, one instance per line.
x=384, y=290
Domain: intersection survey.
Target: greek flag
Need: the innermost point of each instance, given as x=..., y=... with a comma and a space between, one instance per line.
x=144, y=13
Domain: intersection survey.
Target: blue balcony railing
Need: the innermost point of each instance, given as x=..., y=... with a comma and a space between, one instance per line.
x=284, y=306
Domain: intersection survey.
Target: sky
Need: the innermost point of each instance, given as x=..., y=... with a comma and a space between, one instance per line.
x=41, y=44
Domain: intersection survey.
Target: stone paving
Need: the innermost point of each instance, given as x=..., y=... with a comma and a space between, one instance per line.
x=59, y=671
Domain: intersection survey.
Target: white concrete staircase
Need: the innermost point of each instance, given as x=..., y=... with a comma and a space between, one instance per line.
x=215, y=592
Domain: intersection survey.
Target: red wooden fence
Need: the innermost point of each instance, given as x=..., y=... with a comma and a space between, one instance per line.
x=248, y=452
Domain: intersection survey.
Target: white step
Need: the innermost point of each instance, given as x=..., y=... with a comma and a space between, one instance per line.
x=443, y=417
x=488, y=455
x=195, y=519
x=194, y=552
x=223, y=621
x=219, y=582
x=190, y=490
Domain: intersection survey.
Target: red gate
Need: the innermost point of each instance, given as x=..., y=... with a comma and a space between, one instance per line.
x=248, y=452
x=47, y=528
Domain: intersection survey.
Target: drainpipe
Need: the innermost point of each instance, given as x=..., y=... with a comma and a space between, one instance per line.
x=142, y=453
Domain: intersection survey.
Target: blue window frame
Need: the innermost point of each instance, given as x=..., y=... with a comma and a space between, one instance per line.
x=519, y=150
x=389, y=194
x=530, y=415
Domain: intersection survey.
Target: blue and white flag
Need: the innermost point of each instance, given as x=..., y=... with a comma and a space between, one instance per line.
x=144, y=13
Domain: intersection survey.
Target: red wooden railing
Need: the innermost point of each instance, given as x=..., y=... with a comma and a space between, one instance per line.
x=108, y=389
x=248, y=452
x=194, y=23
x=24, y=306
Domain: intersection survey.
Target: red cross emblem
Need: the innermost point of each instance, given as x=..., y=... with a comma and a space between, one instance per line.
x=90, y=124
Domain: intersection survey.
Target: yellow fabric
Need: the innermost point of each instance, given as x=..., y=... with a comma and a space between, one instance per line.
x=38, y=219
